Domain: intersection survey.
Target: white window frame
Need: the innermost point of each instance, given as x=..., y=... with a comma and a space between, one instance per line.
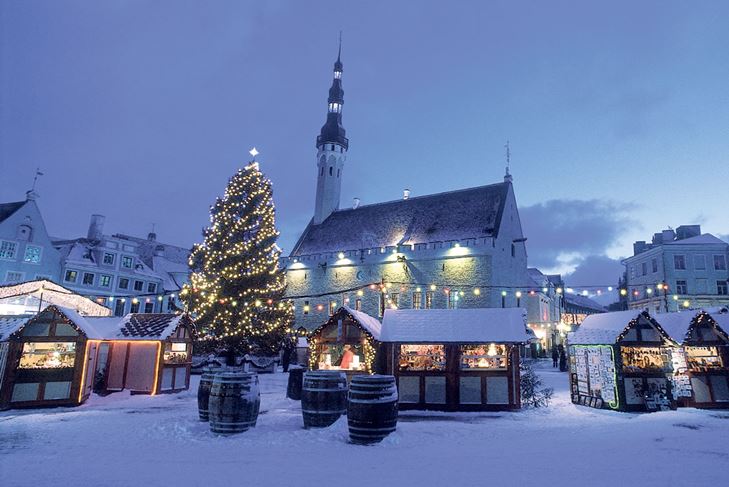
x=113, y=258
x=21, y=276
x=131, y=259
x=12, y=244
x=101, y=278
x=40, y=254
x=714, y=260
x=65, y=275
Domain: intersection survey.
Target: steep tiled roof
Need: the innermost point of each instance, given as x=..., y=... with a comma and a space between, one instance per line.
x=145, y=326
x=7, y=209
x=467, y=213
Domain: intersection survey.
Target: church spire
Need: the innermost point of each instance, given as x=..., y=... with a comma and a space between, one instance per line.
x=333, y=131
x=332, y=145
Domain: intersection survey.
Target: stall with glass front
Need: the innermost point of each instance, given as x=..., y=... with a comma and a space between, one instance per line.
x=706, y=349
x=444, y=360
x=347, y=341
x=44, y=362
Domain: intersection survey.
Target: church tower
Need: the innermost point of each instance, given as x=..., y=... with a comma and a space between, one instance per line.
x=331, y=145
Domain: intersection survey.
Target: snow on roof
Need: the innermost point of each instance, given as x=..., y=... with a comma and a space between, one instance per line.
x=455, y=215
x=595, y=336
x=705, y=238
x=602, y=328
x=721, y=318
x=11, y=324
x=485, y=325
x=54, y=294
x=371, y=324
x=676, y=323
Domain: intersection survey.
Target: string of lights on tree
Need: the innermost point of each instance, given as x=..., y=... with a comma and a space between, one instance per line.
x=236, y=288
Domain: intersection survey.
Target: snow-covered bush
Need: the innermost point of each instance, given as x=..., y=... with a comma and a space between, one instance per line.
x=532, y=394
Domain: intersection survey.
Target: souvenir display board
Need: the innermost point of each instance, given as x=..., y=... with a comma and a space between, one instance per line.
x=680, y=380
x=593, y=377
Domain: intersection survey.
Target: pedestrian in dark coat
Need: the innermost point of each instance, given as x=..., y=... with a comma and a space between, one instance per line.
x=287, y=348
x=555, y=357
x=562, y=360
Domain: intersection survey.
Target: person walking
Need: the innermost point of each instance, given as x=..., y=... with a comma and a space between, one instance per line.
x=555, y=357
x=562, y=359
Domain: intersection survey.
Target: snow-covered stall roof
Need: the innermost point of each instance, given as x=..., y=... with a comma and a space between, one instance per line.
x=135, y=326
x=11, y=324
x=371, y=324
x=602, y=328
x=477, y=325
x=721, y=317
x=676, y=324
x=52, y=293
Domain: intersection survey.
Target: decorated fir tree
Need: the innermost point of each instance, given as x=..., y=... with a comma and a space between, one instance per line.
x=236, y=289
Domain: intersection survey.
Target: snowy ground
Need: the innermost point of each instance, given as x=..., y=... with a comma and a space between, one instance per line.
x=123, y=440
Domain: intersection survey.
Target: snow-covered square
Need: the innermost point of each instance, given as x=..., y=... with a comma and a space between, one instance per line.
x=124, y=440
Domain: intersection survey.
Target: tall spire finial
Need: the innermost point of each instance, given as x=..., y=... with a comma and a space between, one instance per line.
x=507, y=177
x=339, y=53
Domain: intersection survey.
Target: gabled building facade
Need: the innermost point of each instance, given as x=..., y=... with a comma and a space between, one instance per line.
x=26, y=250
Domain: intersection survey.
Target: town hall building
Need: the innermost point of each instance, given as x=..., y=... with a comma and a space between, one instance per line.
x=458, y=249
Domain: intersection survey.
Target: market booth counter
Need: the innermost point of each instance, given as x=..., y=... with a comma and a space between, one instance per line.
x=45, y=360
x=622, y=360
x=455, y=359
x=348, y=341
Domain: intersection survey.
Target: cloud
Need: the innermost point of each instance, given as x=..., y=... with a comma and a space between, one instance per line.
x=563, y=233
x=595, y=270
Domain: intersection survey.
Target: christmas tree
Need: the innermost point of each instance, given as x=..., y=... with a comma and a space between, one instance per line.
x=236, y=288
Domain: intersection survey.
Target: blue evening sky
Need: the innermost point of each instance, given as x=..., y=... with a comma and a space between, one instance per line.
x=617, y=112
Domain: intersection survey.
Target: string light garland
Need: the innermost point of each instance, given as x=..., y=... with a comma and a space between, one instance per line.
x=237, y=288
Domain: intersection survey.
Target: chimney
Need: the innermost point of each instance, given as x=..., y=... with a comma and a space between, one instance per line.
x=405, y=193
x=668, y=236
x=355, y=205
x=96, y=227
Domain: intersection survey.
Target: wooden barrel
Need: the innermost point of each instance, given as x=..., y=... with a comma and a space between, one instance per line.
x=234, y=402
x=371, y=408
x=323, y=397
x=203, y=395
x=296, y=379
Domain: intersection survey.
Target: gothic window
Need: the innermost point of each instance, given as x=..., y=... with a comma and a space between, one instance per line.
x=331, y=170
x=322, y=171
x=338, y=170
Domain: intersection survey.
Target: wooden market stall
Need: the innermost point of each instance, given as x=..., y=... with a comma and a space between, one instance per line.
x=706, y=346
x=455, y=359
x=348, y=341
x=46, y=359
x=145, y=353
x=624, y=361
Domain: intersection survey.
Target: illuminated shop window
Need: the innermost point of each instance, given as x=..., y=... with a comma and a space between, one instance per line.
x=176, y=353
x=484, y=356
x=48, y=355
x=422, y=357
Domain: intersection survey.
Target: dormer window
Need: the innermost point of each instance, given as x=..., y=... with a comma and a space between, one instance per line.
x=337, y=75
x=335, y=107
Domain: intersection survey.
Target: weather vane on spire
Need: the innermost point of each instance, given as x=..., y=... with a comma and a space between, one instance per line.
x=35, y=178
x=507, y=177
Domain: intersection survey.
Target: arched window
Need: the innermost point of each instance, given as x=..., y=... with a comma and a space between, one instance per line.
x=338, y=170
x=331, y=170
x=322, y=171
